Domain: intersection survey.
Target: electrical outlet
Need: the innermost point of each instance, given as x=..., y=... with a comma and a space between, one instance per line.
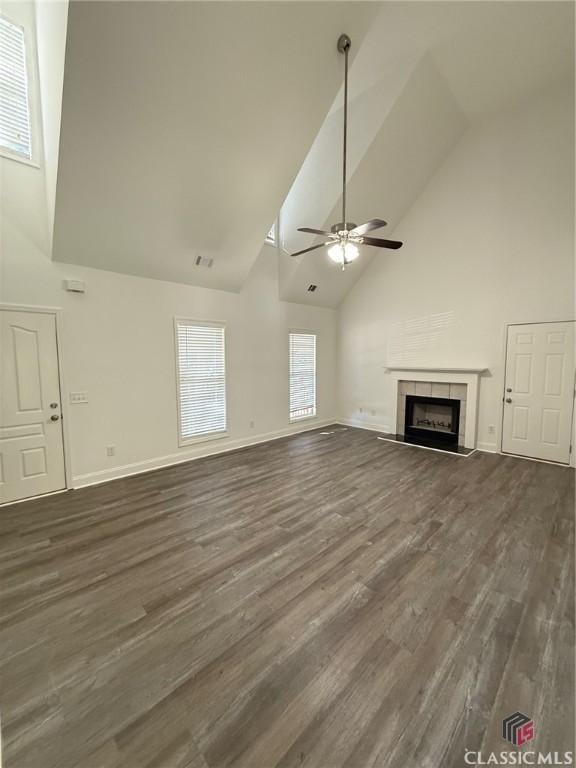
x=78, y=397
x=110, y=450
x=491, y=429
x=252, y=424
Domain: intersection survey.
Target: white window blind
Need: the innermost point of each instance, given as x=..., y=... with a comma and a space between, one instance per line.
x=14, y=103
x=302, y=375
x=201, y=379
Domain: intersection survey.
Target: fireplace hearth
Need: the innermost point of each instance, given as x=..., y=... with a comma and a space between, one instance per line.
x=432, y=420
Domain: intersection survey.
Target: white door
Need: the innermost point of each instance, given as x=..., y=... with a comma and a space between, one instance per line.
x=539, y=391
x=31, y=445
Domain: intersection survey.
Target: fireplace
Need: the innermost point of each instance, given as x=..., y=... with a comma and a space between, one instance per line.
x=432, y=420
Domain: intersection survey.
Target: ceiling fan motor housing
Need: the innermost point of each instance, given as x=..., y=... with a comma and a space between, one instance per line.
x=340, y=227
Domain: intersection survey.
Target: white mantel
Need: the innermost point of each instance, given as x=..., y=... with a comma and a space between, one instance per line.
x=434, y=370
x=468, y=376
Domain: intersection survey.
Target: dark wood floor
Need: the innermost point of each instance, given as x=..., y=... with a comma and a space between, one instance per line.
x=324, y=600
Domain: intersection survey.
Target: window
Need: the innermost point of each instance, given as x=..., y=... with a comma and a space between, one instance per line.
x=271, y=236
x=14, y=102
x=201, y=379
x=302, y=375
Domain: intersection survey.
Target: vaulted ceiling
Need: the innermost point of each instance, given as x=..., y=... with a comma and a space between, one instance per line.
x=184, y=125
x=423, y=74
x=187, y=126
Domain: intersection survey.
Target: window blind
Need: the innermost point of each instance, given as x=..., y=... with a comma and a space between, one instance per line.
x=201, y=379
x=302, y=375
x=14, y=104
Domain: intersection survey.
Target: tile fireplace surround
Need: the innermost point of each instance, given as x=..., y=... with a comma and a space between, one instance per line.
x=431, y=389
x=455, y=383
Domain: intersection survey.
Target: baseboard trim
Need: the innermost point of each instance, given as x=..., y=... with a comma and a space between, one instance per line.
x=201, y=451
x=488, y=447
x=364, y=425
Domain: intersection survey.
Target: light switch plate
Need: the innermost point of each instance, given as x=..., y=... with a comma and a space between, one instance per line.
x=75, y=286
x=78, y=397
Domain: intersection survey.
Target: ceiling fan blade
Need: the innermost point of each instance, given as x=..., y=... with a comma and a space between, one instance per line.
x=381, y=243
x=313, y=248
x=361, y=229
x=314, y=231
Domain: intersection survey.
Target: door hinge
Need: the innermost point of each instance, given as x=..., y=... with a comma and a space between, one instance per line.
x=570, y=451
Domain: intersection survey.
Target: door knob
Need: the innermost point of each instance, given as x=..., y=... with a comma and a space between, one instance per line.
x=53, y=405
x=54, y=417
x=508, y=389
x=508, y=399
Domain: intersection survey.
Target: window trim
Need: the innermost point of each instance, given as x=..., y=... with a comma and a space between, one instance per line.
x=31, y=63
x=186, y=441
x=314, y=415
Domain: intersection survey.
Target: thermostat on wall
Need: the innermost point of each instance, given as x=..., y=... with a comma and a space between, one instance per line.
x=76, y=286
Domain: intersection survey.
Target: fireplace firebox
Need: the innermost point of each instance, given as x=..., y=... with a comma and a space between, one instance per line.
x=432, y=420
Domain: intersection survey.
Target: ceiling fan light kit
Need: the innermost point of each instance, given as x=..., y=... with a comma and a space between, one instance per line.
x=345, y=237
x=343, y=253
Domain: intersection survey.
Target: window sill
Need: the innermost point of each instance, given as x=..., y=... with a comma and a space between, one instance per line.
x=7, y=155
x=185, y=442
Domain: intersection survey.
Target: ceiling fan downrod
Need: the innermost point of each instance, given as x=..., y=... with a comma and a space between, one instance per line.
x=344, y=45
x=345, y=237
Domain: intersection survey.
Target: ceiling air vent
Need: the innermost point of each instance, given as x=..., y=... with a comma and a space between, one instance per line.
x=312, y=287
x=204, y=261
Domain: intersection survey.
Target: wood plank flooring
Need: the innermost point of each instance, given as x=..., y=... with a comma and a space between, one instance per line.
x=324, y=600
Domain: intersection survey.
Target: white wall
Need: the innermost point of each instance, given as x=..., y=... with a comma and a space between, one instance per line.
x=118, y=346
x=51, y=23
x=488, y=242
x=117, y=340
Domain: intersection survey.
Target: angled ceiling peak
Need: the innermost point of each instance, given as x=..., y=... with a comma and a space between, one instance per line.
x=423, y=73
x=184, y=126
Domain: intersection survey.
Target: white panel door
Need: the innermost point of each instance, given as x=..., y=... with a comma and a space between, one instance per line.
x=31, y=444
x=539, y=391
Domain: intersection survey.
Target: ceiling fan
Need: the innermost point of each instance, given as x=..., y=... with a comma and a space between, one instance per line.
x=345, y=237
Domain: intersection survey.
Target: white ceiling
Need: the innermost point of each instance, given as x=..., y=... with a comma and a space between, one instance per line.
x=414, y=137
x=186, y=125
x=423, y=73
